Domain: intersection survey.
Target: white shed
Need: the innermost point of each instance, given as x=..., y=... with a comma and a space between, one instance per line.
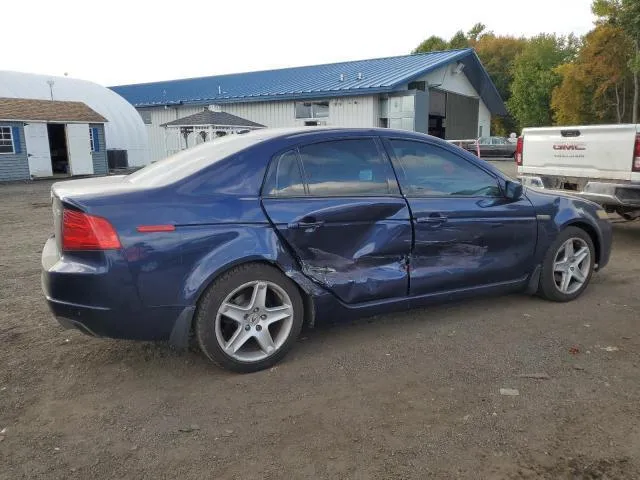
x=124, y=129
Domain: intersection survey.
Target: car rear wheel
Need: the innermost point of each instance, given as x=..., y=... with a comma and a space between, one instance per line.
x=249, y=318
x=568, y=266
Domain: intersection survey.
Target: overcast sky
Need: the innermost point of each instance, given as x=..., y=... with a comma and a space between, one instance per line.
x=130, y=41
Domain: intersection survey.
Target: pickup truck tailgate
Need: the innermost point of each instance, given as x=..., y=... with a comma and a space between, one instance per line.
x=604, y=151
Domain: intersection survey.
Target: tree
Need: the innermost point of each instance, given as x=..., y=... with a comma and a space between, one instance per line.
x=431, y=44
x=459, y=40
x=626, y=15
x=498, y=54
x=478, y=30
x=535, y=76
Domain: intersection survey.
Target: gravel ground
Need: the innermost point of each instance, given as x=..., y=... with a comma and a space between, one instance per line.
x=409, y=395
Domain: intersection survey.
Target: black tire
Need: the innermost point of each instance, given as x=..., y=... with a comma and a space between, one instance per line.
x=217, y=292
x=628, y=215
x=547, y=287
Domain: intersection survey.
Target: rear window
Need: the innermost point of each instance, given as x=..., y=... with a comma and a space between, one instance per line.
x=185, y=163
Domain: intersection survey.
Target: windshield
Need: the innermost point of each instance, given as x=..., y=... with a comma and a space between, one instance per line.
x=184, y=163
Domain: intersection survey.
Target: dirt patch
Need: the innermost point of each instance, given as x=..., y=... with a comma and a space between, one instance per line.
x=409, y=395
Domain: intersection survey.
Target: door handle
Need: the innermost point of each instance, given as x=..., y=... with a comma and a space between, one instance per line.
x=306, y=225
x=434, y=219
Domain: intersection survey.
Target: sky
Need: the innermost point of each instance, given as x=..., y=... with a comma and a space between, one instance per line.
x=115, y=42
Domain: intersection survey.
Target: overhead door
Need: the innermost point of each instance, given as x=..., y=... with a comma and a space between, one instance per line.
x=37, y=142
x=79, y=149
x=462, y=117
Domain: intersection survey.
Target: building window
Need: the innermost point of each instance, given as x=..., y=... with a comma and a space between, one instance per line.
x=312, y=109
x=6, y=140
x=146, y=116
x=94, y=139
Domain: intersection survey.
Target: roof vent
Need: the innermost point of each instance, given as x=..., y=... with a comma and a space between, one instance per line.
x=359, y=75
x=342, y=77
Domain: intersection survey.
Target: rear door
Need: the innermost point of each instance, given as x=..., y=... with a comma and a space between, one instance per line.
x=467, y=234
x=337, y=205
x=599, y=151
x=79, y=149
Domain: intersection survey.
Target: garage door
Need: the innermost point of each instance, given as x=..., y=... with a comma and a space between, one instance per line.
x=462, y=117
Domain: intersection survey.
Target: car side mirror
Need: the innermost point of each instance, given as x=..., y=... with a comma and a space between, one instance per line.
x=513, y=190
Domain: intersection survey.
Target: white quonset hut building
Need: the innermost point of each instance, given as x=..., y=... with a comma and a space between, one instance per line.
x=60, y=125
x=448, y=94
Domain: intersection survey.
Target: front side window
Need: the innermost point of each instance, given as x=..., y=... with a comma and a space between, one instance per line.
x=312, y=109
x=6, y=139
x=285, y=178
x=430, y=171
x=346, y=167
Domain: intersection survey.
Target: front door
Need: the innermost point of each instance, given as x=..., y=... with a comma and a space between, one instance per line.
x=338, y=206
x=39, y=156
x=467, y=234
x=79, y=149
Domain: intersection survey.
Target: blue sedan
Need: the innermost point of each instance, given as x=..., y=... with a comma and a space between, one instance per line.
x=243, y=241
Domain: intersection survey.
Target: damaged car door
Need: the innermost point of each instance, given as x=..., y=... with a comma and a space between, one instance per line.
x=338, y=207
x=467, y=232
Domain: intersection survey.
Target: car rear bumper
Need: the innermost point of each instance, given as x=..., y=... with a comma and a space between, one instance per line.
x=97, y=297
x=604, y=193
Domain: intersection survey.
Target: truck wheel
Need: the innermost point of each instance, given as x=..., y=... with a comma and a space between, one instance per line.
x=568, y=266
x=628, y=215
x=249, y=318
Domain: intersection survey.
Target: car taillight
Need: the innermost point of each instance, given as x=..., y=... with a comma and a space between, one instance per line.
x=519, y=149
x=636, y=155
x=81, y=231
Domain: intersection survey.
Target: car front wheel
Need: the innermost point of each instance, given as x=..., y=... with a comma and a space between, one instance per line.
x=249, y=318
x=568, y=266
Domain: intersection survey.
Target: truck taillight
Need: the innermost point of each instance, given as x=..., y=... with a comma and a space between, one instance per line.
x=519, y=150
x=81, y=231
x=636, y=155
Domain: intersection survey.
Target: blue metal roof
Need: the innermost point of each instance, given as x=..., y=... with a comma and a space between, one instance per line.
x=361, y=77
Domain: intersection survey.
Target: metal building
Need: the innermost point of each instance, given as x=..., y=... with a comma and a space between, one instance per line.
x=60, y=125
x=448, y=94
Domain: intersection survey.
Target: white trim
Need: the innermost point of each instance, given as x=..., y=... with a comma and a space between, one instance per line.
x=13, y=146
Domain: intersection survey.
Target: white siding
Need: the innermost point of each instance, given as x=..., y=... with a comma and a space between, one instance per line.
x=361, y=111
x=484, y=120
x=165, y=141
x=343, y=112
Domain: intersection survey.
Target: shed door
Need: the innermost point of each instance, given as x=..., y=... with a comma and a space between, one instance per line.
x=38, y=153
x=462, y=117
x=79, y=149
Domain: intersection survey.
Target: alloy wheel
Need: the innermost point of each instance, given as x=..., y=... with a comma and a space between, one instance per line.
x=571, y=266
x=254, y=321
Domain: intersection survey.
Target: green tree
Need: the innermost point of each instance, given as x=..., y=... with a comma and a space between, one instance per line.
x=498, y=54
x=459, y=40
x=535, y=76
x=431, y=44
x=476, y=32
x=625, y=14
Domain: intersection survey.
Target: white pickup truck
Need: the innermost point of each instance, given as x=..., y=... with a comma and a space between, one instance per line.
x=600, y=163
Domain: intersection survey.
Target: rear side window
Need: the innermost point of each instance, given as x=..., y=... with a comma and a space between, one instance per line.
x=285, y=177
x=346, y=167
x=430, y=171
